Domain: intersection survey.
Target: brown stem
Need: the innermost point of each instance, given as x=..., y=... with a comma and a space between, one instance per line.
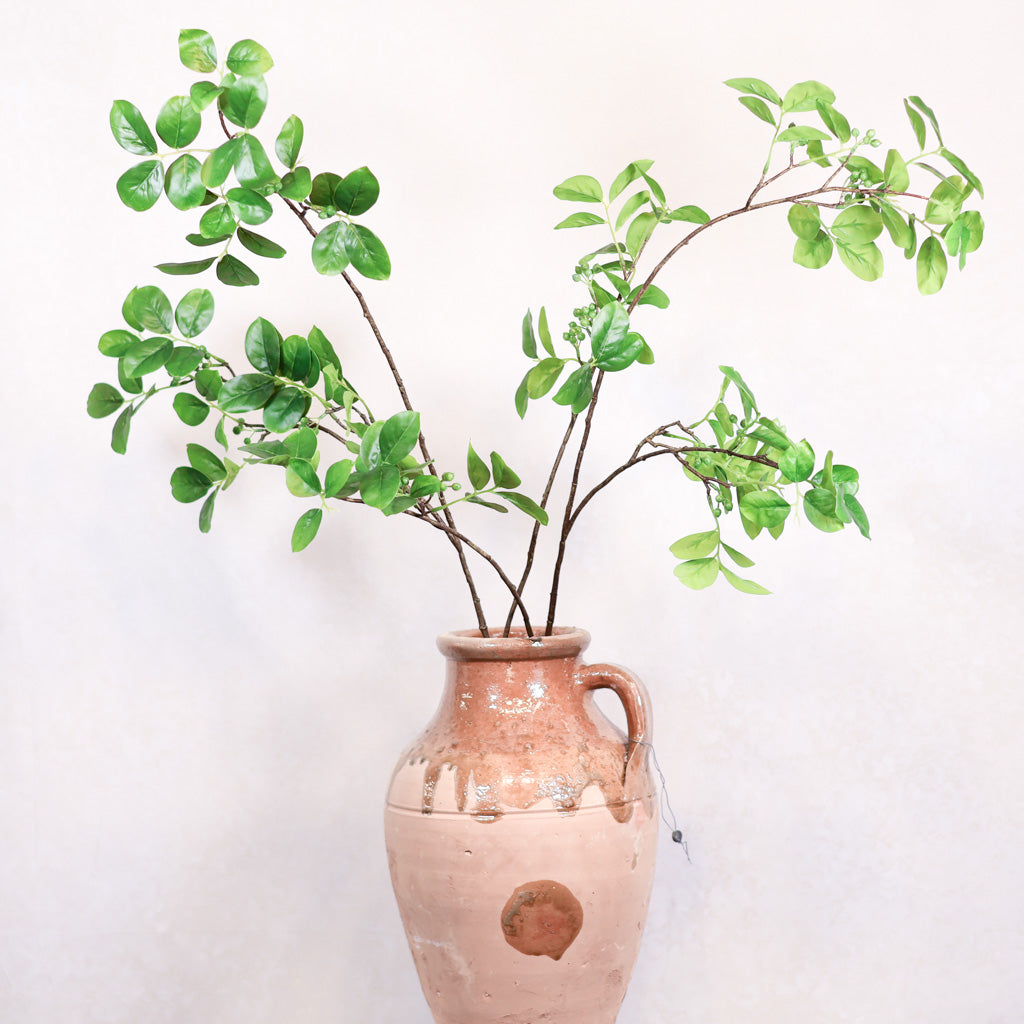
x=536, y=526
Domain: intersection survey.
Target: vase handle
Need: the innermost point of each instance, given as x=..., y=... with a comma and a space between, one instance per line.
x=633, y=694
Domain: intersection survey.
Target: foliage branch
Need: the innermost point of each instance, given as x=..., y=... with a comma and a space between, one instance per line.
x=295, y=397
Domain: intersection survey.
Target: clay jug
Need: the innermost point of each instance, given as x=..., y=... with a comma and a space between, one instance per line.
x=521, y=832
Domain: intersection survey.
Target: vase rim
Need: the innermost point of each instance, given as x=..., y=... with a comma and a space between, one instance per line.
x=469, y=645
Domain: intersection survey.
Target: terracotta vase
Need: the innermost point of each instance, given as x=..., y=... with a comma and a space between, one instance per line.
x=521, y=832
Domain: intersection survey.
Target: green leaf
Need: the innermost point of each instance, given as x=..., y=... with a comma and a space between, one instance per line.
x=755, y=87
x=296, y=357
x=122, y=426
x=737, y=556
x=289, y=141
x=865, y=261
x=544, y=331
x=695, y=545
x=529, y=338
x=190, y=410
x=945, y=201
x=115, y=343
x=217, y=222
x=856, y=225
x=185, y=269
x=247, y=57
x=800, y=134
x=690, y=215
x=146, y=356
x=504, y=476
x=834, y=121
x=249, y=206
x=931, y=266
x=323, y=349
x=899, y=230
x=296, y=184
x=178, y=122
x=805, y=221
x=234, y=272
x=805, y=96
x=580, y=220
x=857, y=514
x=627, y=177
x=300, y=478
x=581, y=188
x=576, y=391
x=399, y=436
x=629, y=207
x=357, y=192
x=205, y=462
x=330, y=254
x=541, y=378
x=869, y=171
x=188, y=484
x=337, y=476
x=206, y=512
x=813, y=253
x=367, y=252
x=639, y=231
x=199, y=240
x=612, y=345
x=184, y=359
x=263, y=345
x=244, y=101
x=104, y=400
x=746, y=586
x=476, y=468
x=197, y=50
x=917, y=123
x=758, y=108
x=733, y=376
x=260, y=245
x=322, y=189
x=492, y=505
x=959, y=165
x=245, y=392
x=219, y=164
x=130, y=129
x=252, y=168
x=140, y=186
x=306, y=528
x=202, y=94
x=152, y=309
x=129, y=384
x=525, y=504
x=973, y=223
x=285, y=410
x=209, y=383
x=764, y=508
x=424, y=486
x=897, y=177
x=379, y=486
x=819, y=507
x=796, y=463
x=698, y=573
x=929, y=113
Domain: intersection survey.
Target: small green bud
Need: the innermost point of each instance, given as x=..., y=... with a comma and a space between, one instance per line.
x=447, y=477
x=456, y=487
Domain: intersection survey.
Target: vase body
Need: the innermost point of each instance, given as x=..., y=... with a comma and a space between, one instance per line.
x=521, y=832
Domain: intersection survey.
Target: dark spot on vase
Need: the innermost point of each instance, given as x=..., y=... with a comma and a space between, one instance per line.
x=542, y=918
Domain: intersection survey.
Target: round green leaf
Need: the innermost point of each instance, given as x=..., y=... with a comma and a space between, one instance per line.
x=820, y=509
x=296, y=184
x=330, y=254
x=300, y=478
x=197, y=50
x=202, y=94
x=252, y=168
x=263, y=345
x=357, y=192
x=218, y=165
x=209, y=383
x=184, y=359
x=245, y=392
x=234, y=272
x=140, y=186
x=296, y=357
x=285, y=410
x=367, y=252
x=152, y=309
x=865, y=261
x=695, y=545
x=217, y=222
x=130, y=129
x=857, y=225
x=146, y=356
x=796, y=463
x=289, y=141
x=184, y=184
x=378, y=487
x=247, y=57
x=581, y=188
x=804, y=221
x=190, y=410
x=249, y=206
x=178, y=122
x=306, y=528
x=764, y=508
x=337, y=477
x=206, y=462
x=813, y=254
x=104, y=399
x=698, y=573
x=931, y=266
x=122, y=426
x=244, y=101
x=188, y=484
x=115, y=343
x=399, y=436
x=194, y=313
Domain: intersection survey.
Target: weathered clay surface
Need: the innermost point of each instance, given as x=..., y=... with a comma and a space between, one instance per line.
x=521, y=833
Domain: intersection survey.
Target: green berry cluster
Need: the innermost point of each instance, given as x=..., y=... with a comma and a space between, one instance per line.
x=579, y=328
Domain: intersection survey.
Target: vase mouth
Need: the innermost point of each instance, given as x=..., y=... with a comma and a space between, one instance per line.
x=469, y=645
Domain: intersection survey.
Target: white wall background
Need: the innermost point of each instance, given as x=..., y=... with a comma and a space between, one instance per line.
x=196, y=731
